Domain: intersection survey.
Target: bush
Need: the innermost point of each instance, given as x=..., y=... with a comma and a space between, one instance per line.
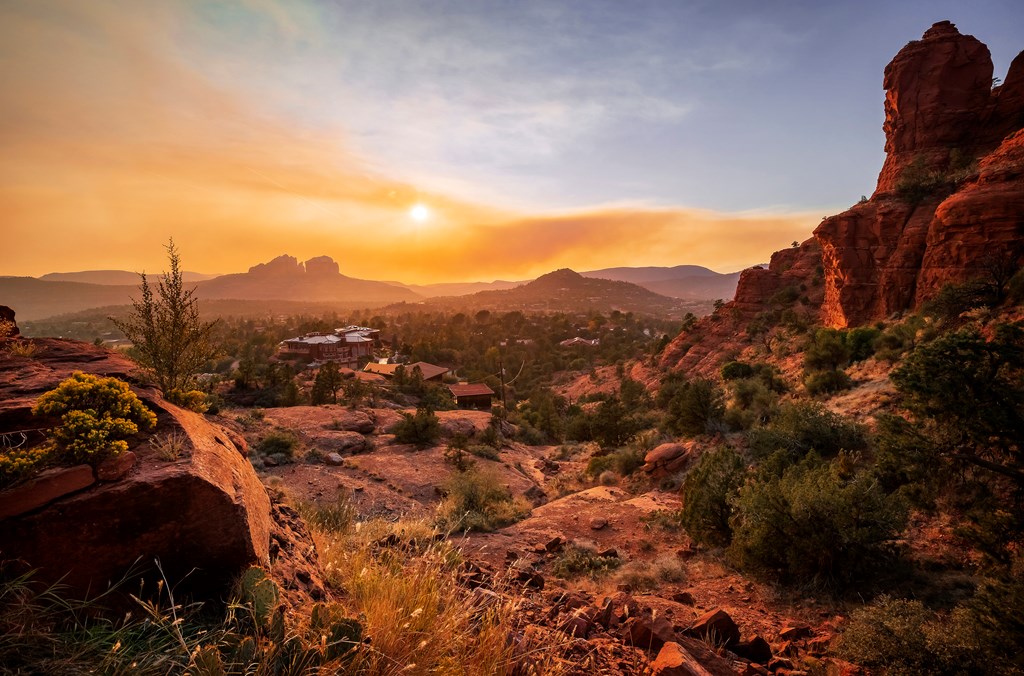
x=421, y=429
x=696, y=408
x=576, y=561
x=278, y=443
x=805, y=426
x=736, y=370
x=97, y=415
x=21, y=463
x=827, y=382
x=477, y=501
x=861, y=342
x=707, y=495
x=827, y=351
x=815, y=524
x=193, y=400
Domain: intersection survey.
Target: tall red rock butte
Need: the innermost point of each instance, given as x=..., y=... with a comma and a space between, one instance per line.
x=948, y=206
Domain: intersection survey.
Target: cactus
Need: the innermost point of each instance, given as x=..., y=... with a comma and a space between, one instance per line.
x=277, y=630
x=344, y=636
x=206, y=662
x=265, y=598
x=248, y=581
x=245, y=652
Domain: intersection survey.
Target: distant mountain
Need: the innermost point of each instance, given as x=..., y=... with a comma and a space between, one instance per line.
x=317, y=280
x=457, y=288
x=116, y=277
x=566, y=291
x=682, y=281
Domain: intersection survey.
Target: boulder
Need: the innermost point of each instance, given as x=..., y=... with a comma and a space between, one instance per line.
x=204, y=518
x=674, y=660
x=647, y=631
x=668, y=459
x=716, y=627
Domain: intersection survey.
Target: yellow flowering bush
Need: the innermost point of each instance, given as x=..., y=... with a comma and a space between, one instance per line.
x=18, y=463
x=97, y=415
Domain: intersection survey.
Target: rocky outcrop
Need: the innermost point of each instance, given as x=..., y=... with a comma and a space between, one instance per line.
x=204, y=516
x=942, y=114
x=792, y=283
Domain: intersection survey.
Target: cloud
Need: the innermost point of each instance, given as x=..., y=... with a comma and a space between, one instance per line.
x=114, y=138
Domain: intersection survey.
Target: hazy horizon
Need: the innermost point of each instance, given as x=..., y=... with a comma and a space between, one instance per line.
x=460, y=142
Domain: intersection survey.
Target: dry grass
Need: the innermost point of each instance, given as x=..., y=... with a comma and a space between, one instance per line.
x=22, y=348
x=168, y=447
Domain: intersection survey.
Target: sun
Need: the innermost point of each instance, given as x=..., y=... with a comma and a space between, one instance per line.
x=419, y=213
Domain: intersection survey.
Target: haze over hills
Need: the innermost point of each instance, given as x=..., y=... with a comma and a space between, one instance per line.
x=566, y=291
x=319, y=281
x=117, y=277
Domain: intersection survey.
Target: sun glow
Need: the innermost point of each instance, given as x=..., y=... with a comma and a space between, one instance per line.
x=419, y=213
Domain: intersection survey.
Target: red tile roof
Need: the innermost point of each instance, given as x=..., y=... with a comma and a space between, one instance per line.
x=474, y=390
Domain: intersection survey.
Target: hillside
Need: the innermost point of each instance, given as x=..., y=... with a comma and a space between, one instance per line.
x=691, y=282
x=568, y=291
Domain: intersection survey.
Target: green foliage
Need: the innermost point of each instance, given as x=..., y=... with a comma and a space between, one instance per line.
x=707, y=495
x=968, y=393
x=861, y=342
x=735, y=370
x=982, y=636
x=455, y=454
x=918, y=183
x=577, y=561
x=826, y=382
x=804, y=426
x=96, y=416
x=421, y=429
x=622, y=461
x=332, y=517
x=280, y=443
x=168, y=339
x=816, y=523
x=827, y=351
x=697, y=407
x=326, y=385
x=475, y=500
x=955, y=299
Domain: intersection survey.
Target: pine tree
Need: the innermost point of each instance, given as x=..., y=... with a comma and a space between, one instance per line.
x=169, y=341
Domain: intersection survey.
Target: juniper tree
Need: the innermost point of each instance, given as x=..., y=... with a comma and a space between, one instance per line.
x=169, y=340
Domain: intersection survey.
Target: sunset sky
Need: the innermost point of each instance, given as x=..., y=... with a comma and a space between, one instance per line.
x=533, y=135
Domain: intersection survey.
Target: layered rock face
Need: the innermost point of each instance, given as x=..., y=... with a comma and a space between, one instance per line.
x=204, y=516
x=941, y=115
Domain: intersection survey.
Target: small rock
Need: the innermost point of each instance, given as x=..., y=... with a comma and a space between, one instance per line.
x=269, y=462
x=686, y=598
x=794, y=632
x=648, y=633
x=756, y=650
x=554, y=544
x=610, y=553
x=113, y=469
x=598, y=522
x=715, y=626
x=674, y=660
x=334, y=459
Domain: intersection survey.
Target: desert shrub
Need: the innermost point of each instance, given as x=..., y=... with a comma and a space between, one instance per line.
x=735, y=370
x=21, y=463
x=279, y=443
x=953, y=300
x=805, y=426
x=421, y=429
x=861, y=342
x=827, y=351
x=193, y=400
x=980, y=636
x=695, y=408
x=622, y=461
x=456, y=455
x=22, y=348
x=815, y=523
x=332, y=517
x=826, y=382
x=578, y=561
x=707, y=495
x=96, y=416
x=475, y=500
x=168, y=447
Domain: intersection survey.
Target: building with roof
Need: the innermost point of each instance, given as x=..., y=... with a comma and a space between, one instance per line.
x=476, y=395
x=581, y=342
x=346, y=350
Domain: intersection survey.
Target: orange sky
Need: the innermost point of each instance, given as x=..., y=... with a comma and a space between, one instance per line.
x=111, y=144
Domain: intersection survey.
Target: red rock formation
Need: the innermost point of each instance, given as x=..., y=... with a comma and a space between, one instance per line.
x=796, y=270
x=892, y=253
x=204, y=516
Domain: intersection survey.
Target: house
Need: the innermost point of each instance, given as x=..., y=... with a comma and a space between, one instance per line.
x=430, y=372
x=364, y=331
x=346, y=349
x=581, y=342
x=476, y=396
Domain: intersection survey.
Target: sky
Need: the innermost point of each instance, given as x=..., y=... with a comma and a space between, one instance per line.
x=444, y=141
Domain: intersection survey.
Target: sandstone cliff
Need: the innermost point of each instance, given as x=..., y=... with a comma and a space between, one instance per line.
x=948, y=206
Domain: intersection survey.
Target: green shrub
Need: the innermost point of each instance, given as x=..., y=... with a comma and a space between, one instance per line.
x=816, y=523
x=707, y=495
x=735, y=370
x=695, y=408
x=97, y=415
x=193, y=400
x=827, y=382
x=577, y=561
x=805, y=426
x=279, y=443
x=421, y=429
x=827, y=351
x=475, y=500
x=333, y=517
x=861, y=342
